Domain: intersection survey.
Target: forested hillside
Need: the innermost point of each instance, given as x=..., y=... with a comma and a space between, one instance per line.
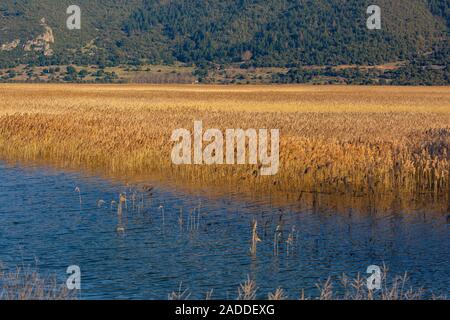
x=280, y=32
x=252, y=33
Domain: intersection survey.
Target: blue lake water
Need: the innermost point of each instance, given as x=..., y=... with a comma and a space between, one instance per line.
x=43, y=223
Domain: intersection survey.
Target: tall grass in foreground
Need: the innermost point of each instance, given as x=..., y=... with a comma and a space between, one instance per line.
x=25, y=284
x=397, y=288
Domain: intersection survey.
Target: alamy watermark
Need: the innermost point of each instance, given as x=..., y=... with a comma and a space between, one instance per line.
x=235, y=146
x=374, y=280
x=74, y=280
x=374, y=20
x=73, y=22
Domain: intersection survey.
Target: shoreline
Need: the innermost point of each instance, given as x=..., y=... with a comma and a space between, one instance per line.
x=346, y=153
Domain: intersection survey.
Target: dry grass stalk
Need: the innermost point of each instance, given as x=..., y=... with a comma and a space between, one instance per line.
x=122, y=200
x=209, y=295
x=247, y=290
x=255, y=237
x=180, y=294
x=278, y=295
x=356, y=289
x=326, y=290
x=29, y=285
x=351, y=289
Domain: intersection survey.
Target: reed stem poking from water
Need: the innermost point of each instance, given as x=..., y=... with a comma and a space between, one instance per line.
x=255, y=237
x=193, y=223
x=133, y=200
x=163, y=215
x=290, y=242
x=125, y=200
x=199, y=214
x=276, y=240
x=122, y=200
x=77, y=189
x=180, y=218
x=209, y=295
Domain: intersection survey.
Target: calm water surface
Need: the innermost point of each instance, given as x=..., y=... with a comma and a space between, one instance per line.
x=42, y=220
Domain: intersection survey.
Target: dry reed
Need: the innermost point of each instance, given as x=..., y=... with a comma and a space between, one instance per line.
x=25, y=284
x=255, y=237
x=354, y=141
x=396, y=288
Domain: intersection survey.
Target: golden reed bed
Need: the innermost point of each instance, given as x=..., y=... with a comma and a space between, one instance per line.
x=347, y=142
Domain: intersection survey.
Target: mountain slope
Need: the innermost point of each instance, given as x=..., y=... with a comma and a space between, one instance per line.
x=279, y=32
x=259, y=32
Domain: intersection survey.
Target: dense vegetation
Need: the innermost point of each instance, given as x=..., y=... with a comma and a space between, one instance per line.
x=281, y=33
x=252, y=33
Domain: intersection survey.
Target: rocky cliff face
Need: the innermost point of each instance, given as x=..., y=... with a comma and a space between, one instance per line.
x=10, y=45
x=42, y=42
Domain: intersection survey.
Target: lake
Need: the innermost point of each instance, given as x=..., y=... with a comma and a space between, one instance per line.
x=171, y=237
